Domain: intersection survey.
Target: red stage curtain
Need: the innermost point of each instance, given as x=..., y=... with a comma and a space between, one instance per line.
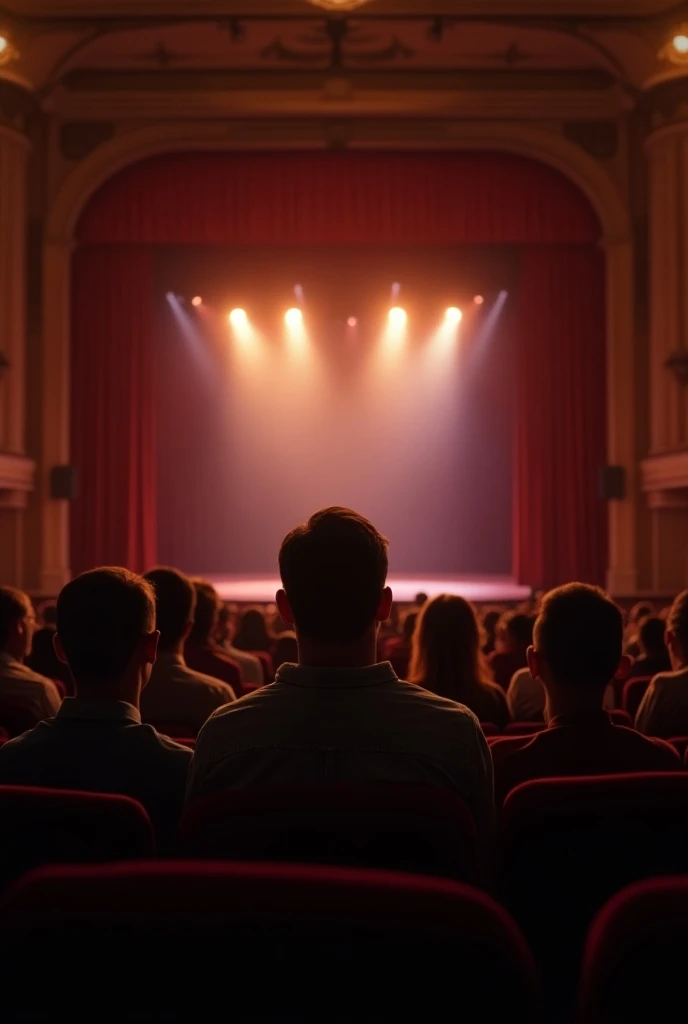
x=346, y=198
x=113, y=519
x=355, y=198
x=560, y=417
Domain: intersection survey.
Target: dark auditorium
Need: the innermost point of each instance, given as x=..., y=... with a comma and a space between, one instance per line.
x=343, y=511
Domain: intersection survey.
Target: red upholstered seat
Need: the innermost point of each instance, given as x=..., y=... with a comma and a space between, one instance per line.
x=633, y=693
x=45, y=826
x=635, y=956
x=213, y=941
x=523, y=728
x=423, y=829
x=489, y=729
x=569, y=844
x=17, y=715
x=680, y=745
x=619, y=717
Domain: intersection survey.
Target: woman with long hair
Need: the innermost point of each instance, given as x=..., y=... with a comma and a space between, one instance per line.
x=447, y=659
x=252, y=633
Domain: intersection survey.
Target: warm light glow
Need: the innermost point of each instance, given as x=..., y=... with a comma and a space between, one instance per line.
x=293, y=318
x=4, y=43
x=478, y=300
x=680, y=44
x=197, y=301
x=453, y=316
x=397, y=318
x=238, y=318
x=352, y=321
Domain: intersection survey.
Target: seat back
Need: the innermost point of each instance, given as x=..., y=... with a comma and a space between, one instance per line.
x=524, y=728
x=489, y=729
x=422, y=829
x=17, y=715
x=633, y=693
x=48, y=826
x=570, y=844
x=635, y=955
x=302, y=943
x=620, y=717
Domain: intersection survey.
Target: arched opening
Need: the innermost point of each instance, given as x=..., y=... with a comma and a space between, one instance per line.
x=486, y=200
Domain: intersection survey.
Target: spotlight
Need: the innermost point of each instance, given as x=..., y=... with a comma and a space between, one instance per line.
x=397, y=318
x=238, y=318
x=197, y=301
x=478, y=300
x=352, y=321
x=453, y=316
x=293, y=318
x=4, y=43
x=680, y=44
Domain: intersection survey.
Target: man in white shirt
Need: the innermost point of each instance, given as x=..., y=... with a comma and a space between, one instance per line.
x=17, y=681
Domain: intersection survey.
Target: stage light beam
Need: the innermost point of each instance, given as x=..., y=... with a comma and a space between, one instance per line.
x=293, y=318
x=397, y=318
x=197, y=301
x=478, y=300
x=680, y=44
x=453, y=316
x=241, y=325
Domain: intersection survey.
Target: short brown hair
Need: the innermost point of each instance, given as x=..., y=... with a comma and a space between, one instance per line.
x=175, y=604
x=333, y=570
x=102, y=617
x=14, y=605
x=579, y=633
x=207, y=611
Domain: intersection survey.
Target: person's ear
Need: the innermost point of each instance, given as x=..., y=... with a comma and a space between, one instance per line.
x=59, y=649
x=385, y=607
x=534, y=660
x=149, y=647
x=284, y=608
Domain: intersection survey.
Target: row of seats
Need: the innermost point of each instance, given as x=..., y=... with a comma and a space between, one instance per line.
x=288, y=942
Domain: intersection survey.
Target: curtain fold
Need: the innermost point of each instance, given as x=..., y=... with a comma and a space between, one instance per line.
x=114, y=517
x=346, y=198
x=559, y=521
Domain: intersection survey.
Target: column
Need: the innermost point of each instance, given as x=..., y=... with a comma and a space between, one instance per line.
x=667, y=153
x=13, y=154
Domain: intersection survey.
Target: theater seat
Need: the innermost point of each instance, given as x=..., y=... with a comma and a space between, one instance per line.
x=635, y=956
x=523, y=728
x=46, y=826
x=422, y=829
x=633, y=693
x=619, y=717
x=570, y=844
x=680, y=745
x=489, y=729
x=197, y=942
x=17, y=715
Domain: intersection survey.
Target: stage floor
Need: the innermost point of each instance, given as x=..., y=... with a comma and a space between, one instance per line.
x=246, y=589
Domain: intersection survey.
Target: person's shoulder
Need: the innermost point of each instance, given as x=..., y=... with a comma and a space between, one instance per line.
x=17, y=670
x=451, y=710
x=167, y=748
x=651, y=744
x=670, y=681
x=209, y=683
x=522, y=677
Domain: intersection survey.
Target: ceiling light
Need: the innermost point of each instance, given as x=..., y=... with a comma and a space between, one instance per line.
x=338, y=5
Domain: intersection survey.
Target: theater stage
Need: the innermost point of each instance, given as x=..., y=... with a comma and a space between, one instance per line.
x=483, y=589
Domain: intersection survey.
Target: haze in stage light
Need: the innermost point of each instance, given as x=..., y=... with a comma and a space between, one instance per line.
x=453, y=316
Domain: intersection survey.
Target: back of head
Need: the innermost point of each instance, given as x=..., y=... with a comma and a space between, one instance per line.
x=49, y=614
x=579, y=636
x=409, y=627
x=175, y=604
x=651, y=634
x=420, y=599
x=102, y=618
x=206, y=614
x=252, y=634
x=15, y=605
x=677, y=620
x=518, y=628
x=333, y=570
x=639, y=611
x=446, y=656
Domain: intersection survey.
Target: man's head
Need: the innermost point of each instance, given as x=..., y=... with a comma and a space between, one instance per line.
x=577, y=642
x=517, y=631
x=677, y=631
x=106, y=630
x=333, y=570
x=651, y=635
x=206, y=614
x=175, y=605
x=17, y=623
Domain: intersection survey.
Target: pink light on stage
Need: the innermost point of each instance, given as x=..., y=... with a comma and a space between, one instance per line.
x=453, y=316
x=296, y=328
x=352, y=322
x=240, y=324
x=478, y=300
x=197, y=301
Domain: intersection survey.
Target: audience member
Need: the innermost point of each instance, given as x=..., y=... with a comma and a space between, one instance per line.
x=286, y=650
x=654, y=656
x=176, y=695
x=106, y=634
x=514, y=636
x=201, y=653
x=397, y=650
x=253, y=634
x=338, y=716
x=640, y=611
x=577, y=651
x=47, y=614
x=447, y=659
x=526, y=697
x=43, y=659
x=420, y=600
x=664, y=708
x=17, y=680
x=249, y=666
x=490, y=621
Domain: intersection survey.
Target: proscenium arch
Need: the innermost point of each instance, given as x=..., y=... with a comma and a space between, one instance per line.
x=549, y=148
x=533, y=143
